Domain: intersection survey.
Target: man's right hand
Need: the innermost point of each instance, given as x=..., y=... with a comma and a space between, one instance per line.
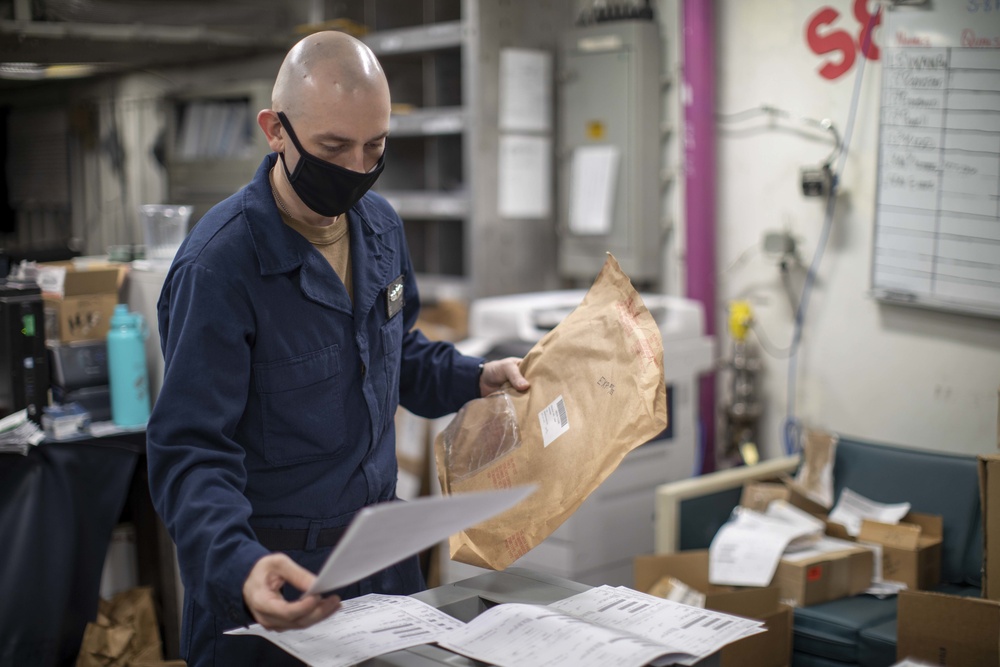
x=262, y=594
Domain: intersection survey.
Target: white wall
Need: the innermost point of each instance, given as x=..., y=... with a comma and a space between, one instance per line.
x=899, y=375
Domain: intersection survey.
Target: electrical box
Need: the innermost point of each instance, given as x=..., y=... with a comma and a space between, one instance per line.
x=609, y=148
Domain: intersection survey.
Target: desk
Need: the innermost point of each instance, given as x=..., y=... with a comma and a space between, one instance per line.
x=58, y=507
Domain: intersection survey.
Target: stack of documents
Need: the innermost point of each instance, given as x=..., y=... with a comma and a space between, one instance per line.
x=852, y=509
x=606, y=626
x=746, y=551
x=18, y=434
x=603, y=627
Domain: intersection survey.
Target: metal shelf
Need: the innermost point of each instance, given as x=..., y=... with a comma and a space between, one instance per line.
x=423, y=204
x=445, y=35
x=428, y=122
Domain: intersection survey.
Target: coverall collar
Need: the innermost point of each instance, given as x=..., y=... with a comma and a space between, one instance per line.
x=280, y=249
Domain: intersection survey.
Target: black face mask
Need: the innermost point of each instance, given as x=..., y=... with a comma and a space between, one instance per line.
x=326, y=188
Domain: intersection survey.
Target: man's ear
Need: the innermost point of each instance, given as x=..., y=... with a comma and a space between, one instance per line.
x=268, y=121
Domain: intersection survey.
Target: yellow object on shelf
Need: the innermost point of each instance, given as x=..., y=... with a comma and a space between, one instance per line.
x=740, y=316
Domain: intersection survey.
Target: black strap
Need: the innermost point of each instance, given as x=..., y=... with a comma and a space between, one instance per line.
x=294, y=539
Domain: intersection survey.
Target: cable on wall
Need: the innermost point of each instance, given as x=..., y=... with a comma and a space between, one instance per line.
x=792, y=428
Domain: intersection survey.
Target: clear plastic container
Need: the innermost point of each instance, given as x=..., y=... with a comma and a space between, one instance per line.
x=164, y=226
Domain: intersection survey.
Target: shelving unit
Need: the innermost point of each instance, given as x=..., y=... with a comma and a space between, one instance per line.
x=421, y=49
x=441, y=59
x=442, y=64
x=201, y=172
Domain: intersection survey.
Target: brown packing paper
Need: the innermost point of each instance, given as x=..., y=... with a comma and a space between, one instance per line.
x=126, y=632
x=815, y=477
x=597, y=392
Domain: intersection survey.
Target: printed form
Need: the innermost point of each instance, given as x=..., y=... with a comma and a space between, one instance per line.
x=746, y=551
x=363, y=628
x=853, y=508
x=605, y=626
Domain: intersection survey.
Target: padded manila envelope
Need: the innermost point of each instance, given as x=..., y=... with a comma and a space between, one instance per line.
x=597, y=392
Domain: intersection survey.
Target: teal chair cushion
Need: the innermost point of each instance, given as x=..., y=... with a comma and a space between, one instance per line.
x=831, y=629
x=877, y=645
x=806, y=660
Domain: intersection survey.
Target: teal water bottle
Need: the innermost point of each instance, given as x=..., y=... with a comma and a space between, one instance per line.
x=127, y=373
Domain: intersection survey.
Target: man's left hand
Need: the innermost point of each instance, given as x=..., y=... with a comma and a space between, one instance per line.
x=497, y=373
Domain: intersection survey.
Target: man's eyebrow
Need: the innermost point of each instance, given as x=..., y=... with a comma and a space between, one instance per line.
x=330, y=136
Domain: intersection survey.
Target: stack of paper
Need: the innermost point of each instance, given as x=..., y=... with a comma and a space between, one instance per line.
x=746, y=551
x=18, y=434
x=363, y=628
x=606, y=626
x=603, y=627
x=853, y=508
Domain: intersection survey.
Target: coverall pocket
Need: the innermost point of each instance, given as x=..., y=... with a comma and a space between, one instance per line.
x=392, y=345
x=301, y=407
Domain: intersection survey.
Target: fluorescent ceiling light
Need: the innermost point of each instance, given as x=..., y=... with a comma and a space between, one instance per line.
x=37, y=72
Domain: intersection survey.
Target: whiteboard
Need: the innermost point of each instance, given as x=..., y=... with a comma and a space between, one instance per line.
x=937, y=218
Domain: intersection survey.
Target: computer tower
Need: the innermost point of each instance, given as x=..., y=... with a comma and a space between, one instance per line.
x=24, y=366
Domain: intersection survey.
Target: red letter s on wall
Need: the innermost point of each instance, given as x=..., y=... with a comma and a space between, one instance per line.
x=835, y=40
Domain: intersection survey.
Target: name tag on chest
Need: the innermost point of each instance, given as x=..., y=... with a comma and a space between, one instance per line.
x=394, y=298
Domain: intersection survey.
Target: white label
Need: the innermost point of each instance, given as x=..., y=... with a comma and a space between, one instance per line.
x=553, y=420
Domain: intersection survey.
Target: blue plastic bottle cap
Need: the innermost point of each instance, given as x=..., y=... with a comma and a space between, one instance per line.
x=121, y=316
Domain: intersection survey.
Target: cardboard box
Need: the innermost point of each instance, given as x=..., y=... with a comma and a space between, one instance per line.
x=948, y=629
x=989, y=500
x=770, y=649
x=78, y=303
x=821, y=577
x=911, y=549
x=444, y=319
x=758, y=494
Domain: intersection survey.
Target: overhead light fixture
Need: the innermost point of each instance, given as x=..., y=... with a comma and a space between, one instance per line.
x=38, y=72
x=22, y=71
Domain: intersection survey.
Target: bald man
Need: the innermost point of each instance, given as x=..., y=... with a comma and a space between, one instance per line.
x=286, y=322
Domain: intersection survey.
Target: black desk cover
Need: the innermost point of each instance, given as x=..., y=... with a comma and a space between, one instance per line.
x=58, y=507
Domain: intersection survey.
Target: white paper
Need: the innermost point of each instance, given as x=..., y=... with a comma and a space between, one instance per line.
x=880, y=588
x=747, y=549
x=383, y=534
x=603, y=627
x=852, y=508
x=524, y=190
x=825, y=545
x=525, y=90
x=514, y=635
x=363, y=628
x=690, y=630
x=593, y=180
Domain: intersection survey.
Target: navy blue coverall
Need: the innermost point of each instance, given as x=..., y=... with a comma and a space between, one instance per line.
x=275, y=419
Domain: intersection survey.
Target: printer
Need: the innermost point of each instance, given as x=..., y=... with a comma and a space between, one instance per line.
x=599, y=542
